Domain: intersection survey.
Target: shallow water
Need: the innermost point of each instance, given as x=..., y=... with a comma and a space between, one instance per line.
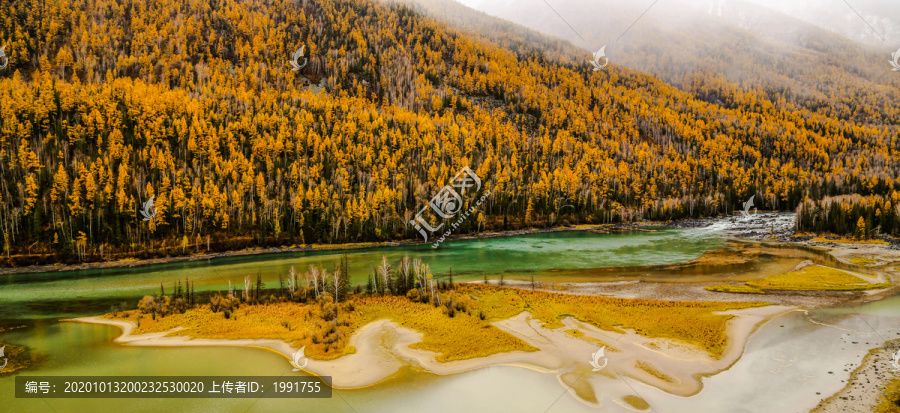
x=783, y=366
x=543, y=255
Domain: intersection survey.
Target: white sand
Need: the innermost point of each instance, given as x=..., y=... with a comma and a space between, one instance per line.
x=382, y=348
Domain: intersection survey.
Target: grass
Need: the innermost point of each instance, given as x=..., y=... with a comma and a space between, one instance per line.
x=325, y=328
x=889, y=401
x=574, y=332
x=691, y=322
x=815, y=278
x=844, y=240
x=453, y=338
x=862, y=260
x=643, y=365
x=732, y=288
x=17, y=358
x=636, y=402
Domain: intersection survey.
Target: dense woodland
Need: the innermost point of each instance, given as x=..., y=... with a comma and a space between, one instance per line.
x=107, y=103
x=863, y=217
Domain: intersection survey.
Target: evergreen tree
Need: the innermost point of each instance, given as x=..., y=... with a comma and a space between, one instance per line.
x=344, y=282
x=259, y=287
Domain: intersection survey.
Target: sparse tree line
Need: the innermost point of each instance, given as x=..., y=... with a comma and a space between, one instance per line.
x=412, y=279
x=181, y=299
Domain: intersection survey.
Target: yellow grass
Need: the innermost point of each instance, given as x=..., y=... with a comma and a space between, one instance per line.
x=690, y=322
x=815, y=278
x=862, y=260
x=887, y=401
x=636, y=402
x=581, y=336
x=643, y=365
x=17, y=358
x=729, y=288
x=844, y=240
x=464, y=336
x=453, y=338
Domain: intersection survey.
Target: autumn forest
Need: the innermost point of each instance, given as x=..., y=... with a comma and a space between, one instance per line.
x=107, y=103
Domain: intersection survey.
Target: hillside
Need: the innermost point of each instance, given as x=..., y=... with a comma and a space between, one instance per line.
x=104, y=105
x=795, y=64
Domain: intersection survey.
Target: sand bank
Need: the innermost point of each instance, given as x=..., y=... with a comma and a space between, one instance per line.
x=382, y=348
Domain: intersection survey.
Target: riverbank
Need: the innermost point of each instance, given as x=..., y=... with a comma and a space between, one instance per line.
x=764, y=226
x=382, y=348
x=867, y=385
x=132, y=263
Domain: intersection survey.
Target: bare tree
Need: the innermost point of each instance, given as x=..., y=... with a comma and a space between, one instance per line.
x=384, y=270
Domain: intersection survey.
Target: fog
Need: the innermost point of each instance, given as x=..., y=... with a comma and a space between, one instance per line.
x=872, y=22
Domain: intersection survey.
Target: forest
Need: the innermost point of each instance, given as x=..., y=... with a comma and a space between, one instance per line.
x=105, y=104
x=863, y=217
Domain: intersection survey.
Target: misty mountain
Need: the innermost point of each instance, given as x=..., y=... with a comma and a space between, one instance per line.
x=842, y=18
x=753, y=46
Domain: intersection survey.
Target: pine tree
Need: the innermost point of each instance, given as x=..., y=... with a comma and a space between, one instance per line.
x=344, y=282
x=259, y=287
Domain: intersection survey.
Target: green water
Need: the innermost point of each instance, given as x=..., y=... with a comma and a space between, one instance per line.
x=544, y=255
x=38, y=301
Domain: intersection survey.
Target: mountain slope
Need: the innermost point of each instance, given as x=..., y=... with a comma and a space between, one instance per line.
x=105, y=105
x=751, y=46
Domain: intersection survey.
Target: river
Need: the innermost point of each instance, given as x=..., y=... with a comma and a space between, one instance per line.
x=787, y=361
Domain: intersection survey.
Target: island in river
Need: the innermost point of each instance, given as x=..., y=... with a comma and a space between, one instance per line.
x=530, y=324
x=665, y=334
